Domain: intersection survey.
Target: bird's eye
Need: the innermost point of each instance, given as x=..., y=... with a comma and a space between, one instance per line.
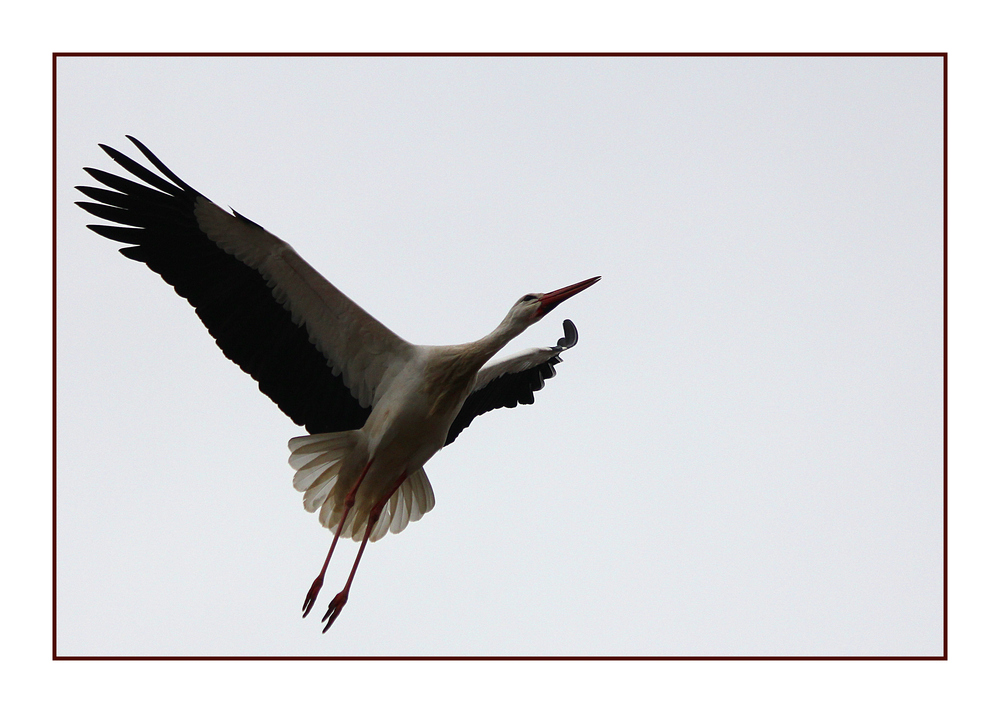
x=527, y=298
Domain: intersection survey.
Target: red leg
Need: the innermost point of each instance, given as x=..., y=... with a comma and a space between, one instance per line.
x=333, y=611
x=318, y=582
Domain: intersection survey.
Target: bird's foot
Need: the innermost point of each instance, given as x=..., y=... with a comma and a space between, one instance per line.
x=336, y=606
x=312, y=596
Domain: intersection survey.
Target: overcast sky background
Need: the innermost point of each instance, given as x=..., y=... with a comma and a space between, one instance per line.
x=742, y=456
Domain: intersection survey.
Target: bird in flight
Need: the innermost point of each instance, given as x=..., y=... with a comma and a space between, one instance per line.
x=376, y=407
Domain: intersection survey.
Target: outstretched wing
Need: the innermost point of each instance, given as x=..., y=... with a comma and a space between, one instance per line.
x=512, y=381
x=318, y=355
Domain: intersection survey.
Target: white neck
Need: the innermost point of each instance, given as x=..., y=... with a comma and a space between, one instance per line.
x=482, y=350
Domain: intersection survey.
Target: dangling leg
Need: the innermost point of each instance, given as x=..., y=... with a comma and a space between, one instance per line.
x=318, y=582
x=333, y=611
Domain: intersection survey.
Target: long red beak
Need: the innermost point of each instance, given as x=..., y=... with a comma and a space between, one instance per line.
x=550, y=299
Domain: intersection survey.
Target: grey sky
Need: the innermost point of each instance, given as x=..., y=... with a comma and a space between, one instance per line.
x=742, y=456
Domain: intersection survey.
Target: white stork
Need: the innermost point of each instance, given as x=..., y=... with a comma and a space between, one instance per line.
x=376, y=406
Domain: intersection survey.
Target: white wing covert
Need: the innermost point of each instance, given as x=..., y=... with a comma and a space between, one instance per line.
x=513, y=380
x=356, y=345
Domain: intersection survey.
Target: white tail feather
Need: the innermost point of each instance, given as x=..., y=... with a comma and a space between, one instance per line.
x=317, y=460
x=403, y=508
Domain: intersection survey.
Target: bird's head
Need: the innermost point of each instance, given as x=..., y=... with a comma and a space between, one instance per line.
x=535, y=305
